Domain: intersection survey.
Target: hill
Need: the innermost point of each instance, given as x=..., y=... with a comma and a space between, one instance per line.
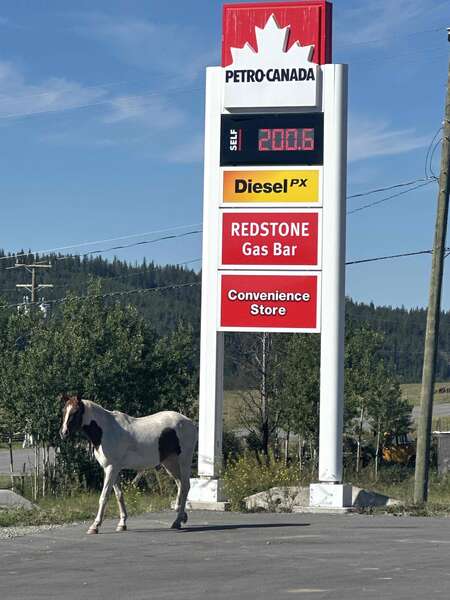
x=168, y=294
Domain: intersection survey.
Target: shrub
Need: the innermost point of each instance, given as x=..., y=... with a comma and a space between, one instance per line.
x=251, y=473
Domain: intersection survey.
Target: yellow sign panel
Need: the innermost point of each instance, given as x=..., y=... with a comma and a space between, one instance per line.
x=299, y=185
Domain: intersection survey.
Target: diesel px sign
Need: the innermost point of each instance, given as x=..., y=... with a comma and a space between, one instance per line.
x=279, y=186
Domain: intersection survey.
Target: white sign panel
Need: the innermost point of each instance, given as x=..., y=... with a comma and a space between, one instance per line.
x=271, y=76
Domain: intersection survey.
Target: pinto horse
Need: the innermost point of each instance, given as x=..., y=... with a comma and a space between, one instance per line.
x=122, y=442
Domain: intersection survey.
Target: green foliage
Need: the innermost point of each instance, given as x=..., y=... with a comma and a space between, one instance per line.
x=403, y=338
x=105, y=351
x=285, y=388
x=232, y=446
x=251, y=473
x=298, y=386
x=81, y=506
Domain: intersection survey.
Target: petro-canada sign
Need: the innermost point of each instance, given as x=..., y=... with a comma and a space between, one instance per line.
x=274, y=211
x=271, y=75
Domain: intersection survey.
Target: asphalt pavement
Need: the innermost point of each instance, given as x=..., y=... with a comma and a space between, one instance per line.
x=227, y=556
x=23, y=457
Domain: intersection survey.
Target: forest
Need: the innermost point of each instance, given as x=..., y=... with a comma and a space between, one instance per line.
x=167, y=295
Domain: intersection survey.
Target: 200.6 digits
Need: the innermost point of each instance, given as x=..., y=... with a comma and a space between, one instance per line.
x=285, y=140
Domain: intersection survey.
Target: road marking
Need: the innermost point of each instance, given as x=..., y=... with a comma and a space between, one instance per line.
x=414, y=541
x=307, y=591
x=294, y=537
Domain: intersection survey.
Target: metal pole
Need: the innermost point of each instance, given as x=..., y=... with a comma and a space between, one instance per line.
x=208, y=488
x=33, y=285
x=433, y=314
x=333, y=274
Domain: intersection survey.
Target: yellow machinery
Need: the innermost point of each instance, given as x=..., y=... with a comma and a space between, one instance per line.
x=398, y=449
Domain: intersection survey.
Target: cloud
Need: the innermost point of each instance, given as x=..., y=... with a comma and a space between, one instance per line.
x=165, y=48
x=369, y=138
x=381, y=21
x=19, y=98
x=120, y=119
x=154, y=111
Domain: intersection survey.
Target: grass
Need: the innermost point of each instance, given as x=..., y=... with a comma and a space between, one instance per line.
x=232, y=407
x=411, y=392
x=15, y=445
x=398, y=483
x=81, y=506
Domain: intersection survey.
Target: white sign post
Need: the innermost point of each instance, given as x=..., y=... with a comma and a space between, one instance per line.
x=280, y=82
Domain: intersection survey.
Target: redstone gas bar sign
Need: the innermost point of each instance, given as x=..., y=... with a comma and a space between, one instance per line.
x=288, y=239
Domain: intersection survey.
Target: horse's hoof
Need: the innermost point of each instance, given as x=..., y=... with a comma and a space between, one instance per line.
x=92, y=531
x=176, y=525
x=184, y=518
x=121, y=528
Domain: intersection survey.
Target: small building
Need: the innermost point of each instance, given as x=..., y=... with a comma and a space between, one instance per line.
x=443, y=451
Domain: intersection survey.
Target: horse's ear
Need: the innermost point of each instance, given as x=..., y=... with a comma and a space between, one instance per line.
x=62, y=398
x=79, y=397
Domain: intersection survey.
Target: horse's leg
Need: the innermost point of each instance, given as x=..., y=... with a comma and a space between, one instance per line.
x=172, y=466
x=109, y=481
x=122, y=526
x=185, y=463
x=185, y=487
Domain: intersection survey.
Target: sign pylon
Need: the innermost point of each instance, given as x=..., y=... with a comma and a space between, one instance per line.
x=274, y=215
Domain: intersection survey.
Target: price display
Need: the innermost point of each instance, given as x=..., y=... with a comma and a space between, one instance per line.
x=275, y=139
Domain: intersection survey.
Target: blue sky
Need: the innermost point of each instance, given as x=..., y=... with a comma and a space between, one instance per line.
x=101, y=127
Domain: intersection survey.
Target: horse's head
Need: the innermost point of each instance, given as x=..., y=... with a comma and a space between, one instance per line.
x=72, y=417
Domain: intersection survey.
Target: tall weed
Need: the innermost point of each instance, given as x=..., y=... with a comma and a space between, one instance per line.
x=251, y=473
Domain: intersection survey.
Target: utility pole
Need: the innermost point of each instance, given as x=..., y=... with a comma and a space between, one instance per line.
x=433, y=314
x=33, y=287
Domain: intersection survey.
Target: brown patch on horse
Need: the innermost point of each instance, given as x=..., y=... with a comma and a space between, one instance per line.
x=168, y=443
x=75, y=405
x=93, y=433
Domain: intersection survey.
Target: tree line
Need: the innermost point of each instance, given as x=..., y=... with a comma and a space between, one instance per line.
x=403, y=329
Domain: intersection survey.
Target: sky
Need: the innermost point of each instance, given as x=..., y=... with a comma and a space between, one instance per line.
x=102, y=124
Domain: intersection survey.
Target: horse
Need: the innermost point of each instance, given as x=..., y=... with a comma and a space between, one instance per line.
x=121, y=442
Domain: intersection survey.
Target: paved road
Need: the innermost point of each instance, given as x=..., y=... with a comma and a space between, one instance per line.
x=21, y=456
x=231, y=556
x=439, y=410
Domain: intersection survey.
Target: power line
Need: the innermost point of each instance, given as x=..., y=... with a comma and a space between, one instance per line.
x=436, y=146
x=429, y=150
x=168, y=93
x=115, y=294
x=390, y=187
x=132, y=235
x=355, y=210
x=377, y=258
x=80, y=244
x=133, y=245
x=198, y=283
